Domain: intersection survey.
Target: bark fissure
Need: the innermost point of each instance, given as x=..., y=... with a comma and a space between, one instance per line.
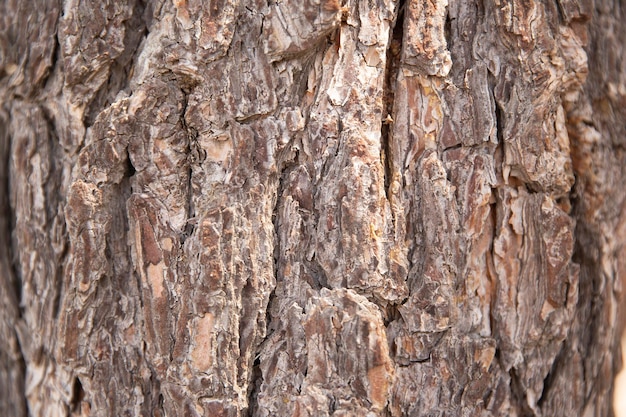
x=256, y=375
x=9, y=222
x=59, y=272
x=447, y=29
x=256, y=379
x=11, y=288
x=519, y=393
x=194, y=156
x=76, y=399
x=56, y=56
x=499, y=124
x=21, y=360
x=550, y=377
x=120, y=71
x=54, y=196
x=392, y=68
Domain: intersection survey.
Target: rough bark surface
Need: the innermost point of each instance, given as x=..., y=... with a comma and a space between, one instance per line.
x=311, y=207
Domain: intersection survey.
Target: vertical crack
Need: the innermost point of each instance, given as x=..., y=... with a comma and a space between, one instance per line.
x=499, y=124
x=256, y=378
x=500, y=121
x=449, y=34
x=54, y=195
x=519, y=392
x=122, y=67
x=256, y=375
x=12, y=281
x=548, y=381
x=78, y=394
x=195, y=155
x=55, y=56
x=20, y=378
x=392, y=68
x=8, y=222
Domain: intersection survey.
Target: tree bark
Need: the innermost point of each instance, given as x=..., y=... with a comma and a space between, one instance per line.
x=311, y=208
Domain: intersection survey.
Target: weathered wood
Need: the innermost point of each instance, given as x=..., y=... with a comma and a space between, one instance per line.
x=311, y=208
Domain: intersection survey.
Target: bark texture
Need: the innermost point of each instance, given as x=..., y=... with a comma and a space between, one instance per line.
x=311, y=207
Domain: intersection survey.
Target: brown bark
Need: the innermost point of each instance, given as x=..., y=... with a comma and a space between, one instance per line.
x=311, y=208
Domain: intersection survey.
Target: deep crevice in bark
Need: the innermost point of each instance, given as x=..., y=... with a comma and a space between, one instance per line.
x=320, y=273
x=7, y=221
x=11, y=277
x=22, y=366
x=256, y=376
x=499, y=123
x=256, y=379
x=590, y=302
x=549, y=379
x=447, y=29
x=15, y=273
x=58, y=276
x=193, y=157
x=392, y=313
x=519, y=393
x=77, y=395
x=53, y=190
x=392, y=68
x=160, y=405
x=121, y=69
x=56, y=57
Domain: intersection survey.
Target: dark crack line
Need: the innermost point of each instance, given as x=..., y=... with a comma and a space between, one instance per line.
x=518, y=391
x=122, y=67
x=12, y=278
x=7, y=224
x=550, y=378
x=194, y=156
x=56, y=57
x=22, y=365
x=78, y=394
x=256, y=376
x=52, y=185
x=392, y=68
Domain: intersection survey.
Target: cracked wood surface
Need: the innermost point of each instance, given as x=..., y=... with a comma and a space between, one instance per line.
x=311, y=208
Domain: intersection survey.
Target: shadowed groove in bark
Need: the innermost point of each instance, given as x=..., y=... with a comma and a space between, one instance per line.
x=193, y=157
x=58, y=277
x=447, y=29
x=13, y=289
x=587, y=255
x=7, y=220
x=22, y=366
x=56, y=57
x=256, y=379
x=52, y=186
x=121, y=69
x=519, y=394
x=549, y=379
x=256, y=376
x=499, y=127
x=392, y=68
x=560, y=363
x=77, y=395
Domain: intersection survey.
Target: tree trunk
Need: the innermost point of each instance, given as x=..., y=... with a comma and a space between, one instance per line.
x=311, y=207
